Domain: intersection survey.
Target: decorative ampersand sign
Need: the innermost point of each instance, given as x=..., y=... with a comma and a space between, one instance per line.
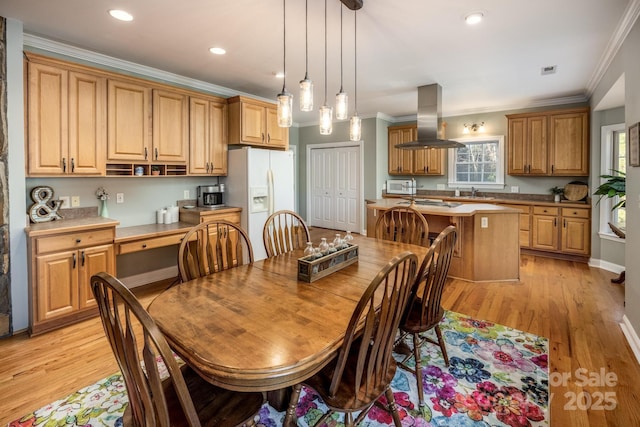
x=44, y=209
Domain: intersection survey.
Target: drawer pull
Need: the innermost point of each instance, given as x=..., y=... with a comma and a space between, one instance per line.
x=74, y=261
x=144, y=245
x=78, y=240
x=82, y=259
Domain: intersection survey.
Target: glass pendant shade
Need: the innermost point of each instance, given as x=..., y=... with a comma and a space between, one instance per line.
x=355, y=128
x=341, y=105
x=285, y=109
x=306, y=94
x=326, y=119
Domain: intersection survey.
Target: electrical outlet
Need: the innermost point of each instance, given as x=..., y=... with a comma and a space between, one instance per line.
x=484, y=222
x=66, y=202
x=440, y=186
x=186, y=194
x=515, y=189
x=75, y=201
x=119, y=197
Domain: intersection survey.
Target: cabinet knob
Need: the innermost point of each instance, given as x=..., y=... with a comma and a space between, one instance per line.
x=78, y=240
x=144, y=245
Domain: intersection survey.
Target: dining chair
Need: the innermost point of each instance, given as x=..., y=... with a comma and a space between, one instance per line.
x=283, y=232
x=364, y=367
x=213, y=246
x=424, y=311
x=403, y=224
x=183, y=398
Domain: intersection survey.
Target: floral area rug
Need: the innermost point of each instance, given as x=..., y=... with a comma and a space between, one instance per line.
x=497, y=376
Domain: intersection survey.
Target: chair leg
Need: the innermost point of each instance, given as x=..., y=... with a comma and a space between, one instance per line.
x=418, y=369
x=392, y=407
x=290, y=419
x=442, y=345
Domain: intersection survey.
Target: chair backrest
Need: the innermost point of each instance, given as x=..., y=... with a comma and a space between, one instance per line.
x=374, y=322
x=403, y=224
x=432, y=276
x=283, y=232
x=213, y=246
x=122, y=317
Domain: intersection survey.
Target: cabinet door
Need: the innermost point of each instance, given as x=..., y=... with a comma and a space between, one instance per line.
x=400, y=161
x=170, y=126
x=545, y=232
x=576, y=235
x=517, y=147
x=219, y=138
x=91, y=261
x=48, y=123
x=276, y=136
x=428, y=161
x=129, y=121
x=87, y=124
x=538, y=152
x=253, y=123
x=569, y=148
x=56, y=285
x=199, y=136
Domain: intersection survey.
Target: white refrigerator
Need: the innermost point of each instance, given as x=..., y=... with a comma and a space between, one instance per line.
x=260, y=182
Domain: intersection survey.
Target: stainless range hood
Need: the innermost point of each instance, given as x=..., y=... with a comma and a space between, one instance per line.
x=429, y=118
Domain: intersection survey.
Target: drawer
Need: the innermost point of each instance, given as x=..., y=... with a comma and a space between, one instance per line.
x=575, y=213
x=150, y=243
x=545, y=210
x=233, y=217
x=75, y=240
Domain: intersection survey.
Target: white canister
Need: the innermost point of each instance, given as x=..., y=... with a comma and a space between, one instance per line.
x=175, y=213
x=167, y=216
x=160, y=214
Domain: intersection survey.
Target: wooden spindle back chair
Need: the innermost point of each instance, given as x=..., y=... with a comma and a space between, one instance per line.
x=403, y=224
x=283, y=232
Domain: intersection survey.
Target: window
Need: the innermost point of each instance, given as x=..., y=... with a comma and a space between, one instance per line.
x=613, y=158
x=479, y=164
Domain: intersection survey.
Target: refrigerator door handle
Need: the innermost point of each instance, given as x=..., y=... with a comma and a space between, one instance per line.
x=270, y=190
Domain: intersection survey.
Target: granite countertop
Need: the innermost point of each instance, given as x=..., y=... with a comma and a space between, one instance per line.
x=515, y=199
x=434, y=207
x=76, y=224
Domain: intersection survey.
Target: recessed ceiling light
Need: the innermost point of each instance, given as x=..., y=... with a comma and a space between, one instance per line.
x=473, y=18
x=217, y=50
x=121, y=15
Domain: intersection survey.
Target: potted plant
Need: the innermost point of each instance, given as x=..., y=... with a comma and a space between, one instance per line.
x=614, y=186
x=557, y=192
x=155, y=170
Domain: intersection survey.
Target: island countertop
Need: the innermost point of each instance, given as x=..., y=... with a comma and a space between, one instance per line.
x=448, y=208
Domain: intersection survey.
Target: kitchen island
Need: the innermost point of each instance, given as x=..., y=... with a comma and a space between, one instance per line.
x=487, y=248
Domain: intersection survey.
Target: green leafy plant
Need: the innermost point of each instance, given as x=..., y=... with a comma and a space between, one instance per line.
x=614, y=186
x=556, y=190
x=155, y=168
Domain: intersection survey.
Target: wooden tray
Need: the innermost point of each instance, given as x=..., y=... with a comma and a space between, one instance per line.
x=575, y=191
x=310, y=270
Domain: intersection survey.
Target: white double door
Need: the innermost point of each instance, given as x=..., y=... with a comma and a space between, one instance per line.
x=336, y=188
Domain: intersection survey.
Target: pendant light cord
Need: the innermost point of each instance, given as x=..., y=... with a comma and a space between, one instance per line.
x=325, y=52
x=355, y=60
x=284, y=43
x=341, y=57
x=306, y=39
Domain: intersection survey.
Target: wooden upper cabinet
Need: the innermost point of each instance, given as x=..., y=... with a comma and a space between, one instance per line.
x=66, y=121
x=254, y=122
x=549, y=143
x=207, y=137
x=569, y=148
x=170, y=126
x=424, y=161
x=129, y=121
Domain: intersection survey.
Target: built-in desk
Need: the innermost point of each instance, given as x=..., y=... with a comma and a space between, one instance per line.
x=487, y=248
x=149, y=236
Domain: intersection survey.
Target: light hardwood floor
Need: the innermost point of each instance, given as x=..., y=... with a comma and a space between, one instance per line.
x=575, y=306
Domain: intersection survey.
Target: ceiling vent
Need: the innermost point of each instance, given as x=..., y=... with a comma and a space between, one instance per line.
x=549, y=69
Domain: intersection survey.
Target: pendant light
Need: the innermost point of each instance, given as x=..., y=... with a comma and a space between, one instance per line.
x=355, y=124
x=326, y=112
x=285, y=99
x=342, y=109
x=306, y=85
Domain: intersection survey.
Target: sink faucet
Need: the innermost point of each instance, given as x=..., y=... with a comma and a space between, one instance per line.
x=474, y=192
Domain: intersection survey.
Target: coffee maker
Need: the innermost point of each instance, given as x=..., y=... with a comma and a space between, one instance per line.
x=211, y=196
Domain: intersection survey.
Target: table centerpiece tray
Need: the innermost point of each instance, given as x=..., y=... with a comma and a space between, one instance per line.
x=311, y=268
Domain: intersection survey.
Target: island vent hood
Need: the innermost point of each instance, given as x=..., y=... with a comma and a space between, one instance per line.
x=429, y=118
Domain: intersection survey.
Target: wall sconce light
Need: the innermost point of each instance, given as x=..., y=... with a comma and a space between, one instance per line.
x=473, y=127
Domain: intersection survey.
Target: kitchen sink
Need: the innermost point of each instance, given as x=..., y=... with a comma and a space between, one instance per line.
x=430, y=202
x=475, y=197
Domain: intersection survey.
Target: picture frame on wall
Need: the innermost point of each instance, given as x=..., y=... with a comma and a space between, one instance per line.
x=634, y=145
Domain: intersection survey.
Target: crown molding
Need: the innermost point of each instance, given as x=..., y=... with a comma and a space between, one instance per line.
x=37, y=42
x=625, y=25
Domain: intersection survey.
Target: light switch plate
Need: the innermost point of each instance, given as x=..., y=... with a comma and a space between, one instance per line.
x=66, y=202
x=185, y=195
x=119, y=197
x=75, y=201
x=515, y=189
x=484, y=222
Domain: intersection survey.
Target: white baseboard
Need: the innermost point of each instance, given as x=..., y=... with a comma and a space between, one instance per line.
x=606, y=265
x=632, y=337
x=150, y=277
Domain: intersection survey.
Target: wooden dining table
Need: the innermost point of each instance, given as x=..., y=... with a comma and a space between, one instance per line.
x=256, y=327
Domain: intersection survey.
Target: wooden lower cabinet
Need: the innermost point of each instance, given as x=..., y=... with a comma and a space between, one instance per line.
x=545, y=228
x=524, y=235
x=60, y=278
x=576, y=231
x=563, y=230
